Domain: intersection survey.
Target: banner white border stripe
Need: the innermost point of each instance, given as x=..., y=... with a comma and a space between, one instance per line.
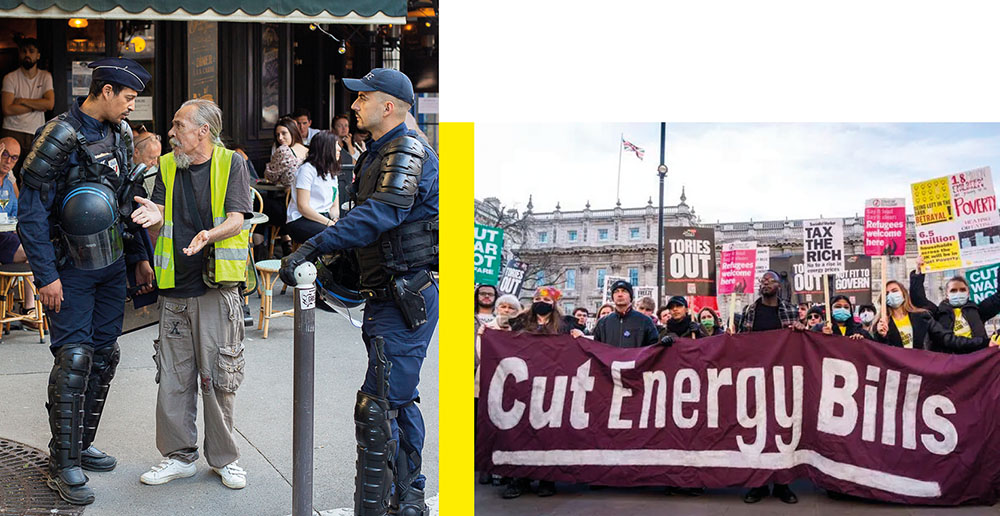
x=723, y=459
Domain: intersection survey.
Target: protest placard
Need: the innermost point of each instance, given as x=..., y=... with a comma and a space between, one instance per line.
x=763, y=264
x=689, y=254
x=885, y=227
x=608, y=281
x=982, y=282
x=739, y=264
x=646, y=291
x=489, y=244
x=512, y=277
x=855, y=281
x=957, y=220
x=823, y=246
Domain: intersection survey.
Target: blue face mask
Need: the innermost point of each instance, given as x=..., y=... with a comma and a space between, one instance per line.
x=841, y=314
x=894, y=299
x=958, y=299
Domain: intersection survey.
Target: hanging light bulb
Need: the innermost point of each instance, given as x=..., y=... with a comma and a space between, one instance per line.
x=343, y=47
x=78, y=23
x=138, y=44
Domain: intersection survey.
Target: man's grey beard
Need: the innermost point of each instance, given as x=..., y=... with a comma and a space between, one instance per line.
x=182, y=160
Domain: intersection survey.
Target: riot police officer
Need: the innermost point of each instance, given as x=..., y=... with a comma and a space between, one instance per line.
x=73, y=210
x=393, y=231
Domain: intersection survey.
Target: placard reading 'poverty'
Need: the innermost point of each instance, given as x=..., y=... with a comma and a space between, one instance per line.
x=957, y=221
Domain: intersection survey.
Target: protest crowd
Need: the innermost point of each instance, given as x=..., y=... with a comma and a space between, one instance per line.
x=900, y=313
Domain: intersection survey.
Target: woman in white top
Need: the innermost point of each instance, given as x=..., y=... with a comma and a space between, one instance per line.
x=314, y=204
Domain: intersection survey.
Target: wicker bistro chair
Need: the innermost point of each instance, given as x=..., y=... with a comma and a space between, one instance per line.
x=19, y=274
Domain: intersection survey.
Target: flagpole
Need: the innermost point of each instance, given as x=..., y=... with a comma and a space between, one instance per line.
x=621, y=143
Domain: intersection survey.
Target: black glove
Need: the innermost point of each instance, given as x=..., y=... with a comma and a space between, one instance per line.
x=666, y=340
x=307, y=252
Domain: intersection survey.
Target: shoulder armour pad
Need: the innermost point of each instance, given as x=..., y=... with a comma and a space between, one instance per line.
x=399, y=173
x=49, y=153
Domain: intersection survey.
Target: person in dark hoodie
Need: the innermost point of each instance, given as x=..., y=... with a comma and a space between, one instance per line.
x=710, y=322
x=910, y=327
x=680, y=324
x=842, y=320
x=625, y=327
x=963, y=317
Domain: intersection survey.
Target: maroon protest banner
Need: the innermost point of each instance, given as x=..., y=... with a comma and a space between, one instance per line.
x=857, y=417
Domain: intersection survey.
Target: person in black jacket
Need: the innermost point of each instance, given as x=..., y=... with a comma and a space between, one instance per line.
x=710, y=322
x=912, y=327
x=625, y=327
x=963, y=317
x=842, y=321
x=680, y=324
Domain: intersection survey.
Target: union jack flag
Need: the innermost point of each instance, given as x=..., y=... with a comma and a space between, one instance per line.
x=629, y=146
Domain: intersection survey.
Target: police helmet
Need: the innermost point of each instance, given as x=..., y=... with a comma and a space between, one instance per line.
x=338, y=280
x=88, y=217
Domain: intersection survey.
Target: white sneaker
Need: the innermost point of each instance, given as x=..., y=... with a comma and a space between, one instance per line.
x=166, y=471
x=233, y=476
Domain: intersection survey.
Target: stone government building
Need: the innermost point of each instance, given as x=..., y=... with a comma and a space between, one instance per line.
x=575, y=250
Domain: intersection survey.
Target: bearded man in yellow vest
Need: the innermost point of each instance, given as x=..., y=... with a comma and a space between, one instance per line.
x=203, y=194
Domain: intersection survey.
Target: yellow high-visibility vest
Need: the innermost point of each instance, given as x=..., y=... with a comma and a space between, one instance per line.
x=230, y=254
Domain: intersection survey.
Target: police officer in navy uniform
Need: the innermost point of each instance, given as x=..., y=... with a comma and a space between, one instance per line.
x=393, y=231
x=74, y=212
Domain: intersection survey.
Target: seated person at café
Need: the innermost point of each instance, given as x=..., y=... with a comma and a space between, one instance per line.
x=288, y=155
x=313, y=205
x=11, y=250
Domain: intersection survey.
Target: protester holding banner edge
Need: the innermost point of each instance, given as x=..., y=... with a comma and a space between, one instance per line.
x=842, y=321
x=680, y=325
x=964, y=317
x=507, y=306
x=908, y=324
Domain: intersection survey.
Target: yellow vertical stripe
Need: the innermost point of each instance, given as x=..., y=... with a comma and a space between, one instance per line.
x=454, y=328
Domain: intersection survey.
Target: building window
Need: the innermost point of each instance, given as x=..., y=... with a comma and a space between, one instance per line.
x=572, y=235
x=633, y=276
x=600, y=278
x=569, y=307
x=633, y=233
x=602, y=234
x=570, y=279
x=543, y=237
x=539, y=278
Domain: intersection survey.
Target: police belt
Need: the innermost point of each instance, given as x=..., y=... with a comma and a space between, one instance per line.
x=379, y=294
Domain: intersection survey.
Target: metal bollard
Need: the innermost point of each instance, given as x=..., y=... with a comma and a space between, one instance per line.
x=303, y=395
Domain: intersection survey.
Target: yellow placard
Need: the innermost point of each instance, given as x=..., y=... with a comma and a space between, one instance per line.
x=941, y=256
x=932, y=201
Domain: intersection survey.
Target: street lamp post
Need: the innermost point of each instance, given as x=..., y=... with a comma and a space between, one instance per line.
x=662, y=172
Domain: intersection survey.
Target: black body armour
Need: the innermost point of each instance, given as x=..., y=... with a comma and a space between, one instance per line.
x=104, y=161
x=392, y=176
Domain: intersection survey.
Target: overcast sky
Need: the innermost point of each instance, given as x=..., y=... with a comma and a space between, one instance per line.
x=731, y=172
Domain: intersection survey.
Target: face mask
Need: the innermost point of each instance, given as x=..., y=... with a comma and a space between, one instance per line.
x=894, y=299
x=708, y=323
x=867, y=317
x=541, y=308
x=958, y=299
x=841, y=314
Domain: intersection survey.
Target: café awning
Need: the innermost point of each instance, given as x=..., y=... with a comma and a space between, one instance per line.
x=276, y=11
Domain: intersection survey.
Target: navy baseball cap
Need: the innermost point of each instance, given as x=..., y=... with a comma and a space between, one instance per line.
x=386, y=80
x=118, y=70
x=677, y=300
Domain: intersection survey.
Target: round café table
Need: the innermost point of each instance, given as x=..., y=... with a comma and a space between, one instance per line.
x=268, y=187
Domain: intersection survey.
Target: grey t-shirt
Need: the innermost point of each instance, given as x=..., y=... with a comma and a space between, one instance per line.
x=187, y=269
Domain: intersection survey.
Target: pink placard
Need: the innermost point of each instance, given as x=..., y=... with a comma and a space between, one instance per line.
x=739, y=263
x=885, y=227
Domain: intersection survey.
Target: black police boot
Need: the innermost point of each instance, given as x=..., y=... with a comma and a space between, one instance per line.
x=67, y=387
x=105, y=364
x=756, y=494
x=93, y=459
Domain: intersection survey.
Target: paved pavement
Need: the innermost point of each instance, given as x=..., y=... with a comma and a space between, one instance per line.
x=580, y=500
x=263, y=421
